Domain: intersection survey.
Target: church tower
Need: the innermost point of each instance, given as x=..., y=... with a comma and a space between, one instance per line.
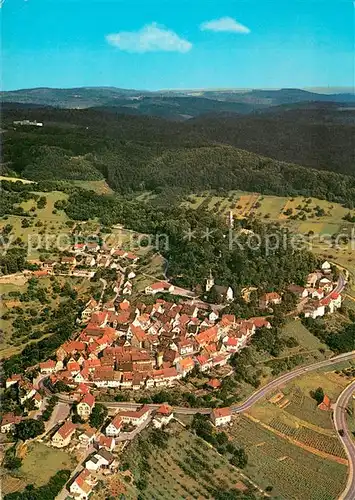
x=209, y=282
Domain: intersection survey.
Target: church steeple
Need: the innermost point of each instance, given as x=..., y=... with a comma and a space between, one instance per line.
x=209, y=282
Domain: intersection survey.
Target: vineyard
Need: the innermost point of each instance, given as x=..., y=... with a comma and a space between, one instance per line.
x=309, y=437
x=186, y=468
x=304, y=408
x=293, y=472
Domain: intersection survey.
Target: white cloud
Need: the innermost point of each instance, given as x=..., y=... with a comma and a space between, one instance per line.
x=225, y=24
x=150, y=38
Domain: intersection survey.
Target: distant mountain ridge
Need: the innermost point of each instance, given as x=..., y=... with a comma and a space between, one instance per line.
x=171, y=104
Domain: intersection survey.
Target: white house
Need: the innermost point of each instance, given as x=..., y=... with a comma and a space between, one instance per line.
x=221, y=416
x=114, y=427
x=47, y=367
x=101, y=459
x=63, y=436
x=82, y=485
x=314, y=310
x=13, y=380
x=163, y=416
x=103, y=441
x=27, y=391
x=87, y=437
x=184, y=366
x=135, y=417
x=9, y=421
x=159, y=287
x=326, y=267
x=84, y=408
x=185, y=347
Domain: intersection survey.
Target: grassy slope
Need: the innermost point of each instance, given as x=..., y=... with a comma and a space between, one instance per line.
x=40, y=463
x=272, y=209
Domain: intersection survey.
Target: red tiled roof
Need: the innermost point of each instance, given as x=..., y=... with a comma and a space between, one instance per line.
x=202, y=360
x=214, y=383
x=259, y=322
x=88, y=399
x=136, y=414
x=15, y=377
x=105, y=441
x=207, y=336
x=164, y=373
x=40, y=273
x=10, y=418
x=138, y=332
x=92, y=363
x=124, y=305
x=232, y=341
x=74, y=345
x=66, y=429
x=47, y=364
x=73, y=366
x=272, y=296
x=82, y=388
x=160, y=285
x=131, y=256
x=117, y=422
x=186, y=363
x=164, y=409
x=227, y=319
x=222, y=412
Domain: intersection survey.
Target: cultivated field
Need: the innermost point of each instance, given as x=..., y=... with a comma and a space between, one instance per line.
x=294, y=406
x=293, y=472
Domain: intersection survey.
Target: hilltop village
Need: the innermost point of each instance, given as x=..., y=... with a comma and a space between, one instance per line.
x=128, y=345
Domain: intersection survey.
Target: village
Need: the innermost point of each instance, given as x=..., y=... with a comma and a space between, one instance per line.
x=126, y=345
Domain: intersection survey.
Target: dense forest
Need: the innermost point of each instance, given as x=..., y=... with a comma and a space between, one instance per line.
x=321, y=136
x=135, y=153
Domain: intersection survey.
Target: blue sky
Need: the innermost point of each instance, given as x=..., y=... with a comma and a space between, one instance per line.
x=156, y=44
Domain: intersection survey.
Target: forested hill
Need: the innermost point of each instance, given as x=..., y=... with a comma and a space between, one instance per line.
x=319, y=136
x=148, y=153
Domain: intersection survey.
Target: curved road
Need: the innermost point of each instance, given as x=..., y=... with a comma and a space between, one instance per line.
x=256, y=396
x=274, y=384
x=340, y=285
x=347, y=440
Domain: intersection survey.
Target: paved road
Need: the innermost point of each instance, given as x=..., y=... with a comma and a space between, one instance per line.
x=340, y=285
x=347, y=440
x=283, y=379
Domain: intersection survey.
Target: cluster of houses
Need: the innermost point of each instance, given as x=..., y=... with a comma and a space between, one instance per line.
x=315, y=299
x=85, y=259
x=28, y=396
x=102, y=460
x=318, y=297
x=128, y=346
x=138, y=346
